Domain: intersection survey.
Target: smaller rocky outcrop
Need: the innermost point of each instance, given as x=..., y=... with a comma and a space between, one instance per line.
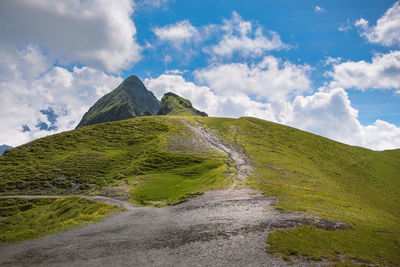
x=172, y=104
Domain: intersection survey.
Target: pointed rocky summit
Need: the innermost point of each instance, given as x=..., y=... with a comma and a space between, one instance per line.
x=130, y=99
x=172, y=104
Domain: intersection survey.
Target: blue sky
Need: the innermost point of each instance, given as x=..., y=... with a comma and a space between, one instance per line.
x=313, y=35
x=329, y=67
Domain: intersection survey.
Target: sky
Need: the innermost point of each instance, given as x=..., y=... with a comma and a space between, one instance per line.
x=328, y=67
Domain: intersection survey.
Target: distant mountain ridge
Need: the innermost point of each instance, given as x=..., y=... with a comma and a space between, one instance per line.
x=4, y=148
x=129, y=100
x=172, y=104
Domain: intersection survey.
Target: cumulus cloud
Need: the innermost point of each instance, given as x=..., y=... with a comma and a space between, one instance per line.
x=386, y=32
x=271, y=79
x=177, y=33
x=382, y=73
x=381, y=135
x=326, y=113
x=331, y=60
x=243, y=38
x=234, y=36
x=99, y=34
x=318, y=9
x=330, y=114
x=45, y=101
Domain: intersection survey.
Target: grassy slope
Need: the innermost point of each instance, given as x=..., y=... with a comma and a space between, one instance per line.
x=23, y=219
x=322, y=177
x=311, y=174
x=131, y=153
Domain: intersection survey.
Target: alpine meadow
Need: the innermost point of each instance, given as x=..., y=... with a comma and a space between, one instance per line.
x=199, y=133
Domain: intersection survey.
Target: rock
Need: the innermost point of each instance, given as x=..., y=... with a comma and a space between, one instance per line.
x=130, y=99
x=172, y=104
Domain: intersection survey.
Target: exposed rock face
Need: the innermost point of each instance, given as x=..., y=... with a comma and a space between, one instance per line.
x=172, y=104
x=130, y=99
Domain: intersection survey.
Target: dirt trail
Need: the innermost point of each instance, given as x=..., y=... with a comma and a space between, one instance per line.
x=219, y=228
x=240, y=160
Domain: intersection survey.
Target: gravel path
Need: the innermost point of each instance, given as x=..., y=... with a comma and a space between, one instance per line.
x=241, y=161
x=219, y=228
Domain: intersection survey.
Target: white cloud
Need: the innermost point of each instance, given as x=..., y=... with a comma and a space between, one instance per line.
x=28, y=62
x=177, y=33
x=24, y=93
x=270, y=79
x=362, y=23
x=332, y=60
x=175, y=72
x=382, y=73
x=239, y=36
x=154, y=3
x=318, y=9
x=234, y=36
x=381, y=135
x=330, y=114
x=96, y=33
x=345, y=26
x=397, y=93
x=326, y=113
x=387, y=29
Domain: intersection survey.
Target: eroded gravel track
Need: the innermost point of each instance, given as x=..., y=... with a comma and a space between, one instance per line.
x=219, y=228
x=241, y=161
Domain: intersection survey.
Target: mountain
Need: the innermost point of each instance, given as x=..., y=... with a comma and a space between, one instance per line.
x=130, y=99
x=4, y=148
x=172, y=104
x=160, y=160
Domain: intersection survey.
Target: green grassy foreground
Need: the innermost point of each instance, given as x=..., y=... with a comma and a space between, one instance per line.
x=24, y=219
x=138, y=155
x=155, y=161
x=324, y=178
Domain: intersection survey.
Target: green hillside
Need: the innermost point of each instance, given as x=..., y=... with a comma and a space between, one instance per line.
x=154, y=161
x=325, y=178
x=147, y=156
x=23, y=219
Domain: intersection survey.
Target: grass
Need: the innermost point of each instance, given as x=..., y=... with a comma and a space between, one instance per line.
x=321, y=177
x=132, y=153
x=24, y=219
x=155, y=159
x=163, y=189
